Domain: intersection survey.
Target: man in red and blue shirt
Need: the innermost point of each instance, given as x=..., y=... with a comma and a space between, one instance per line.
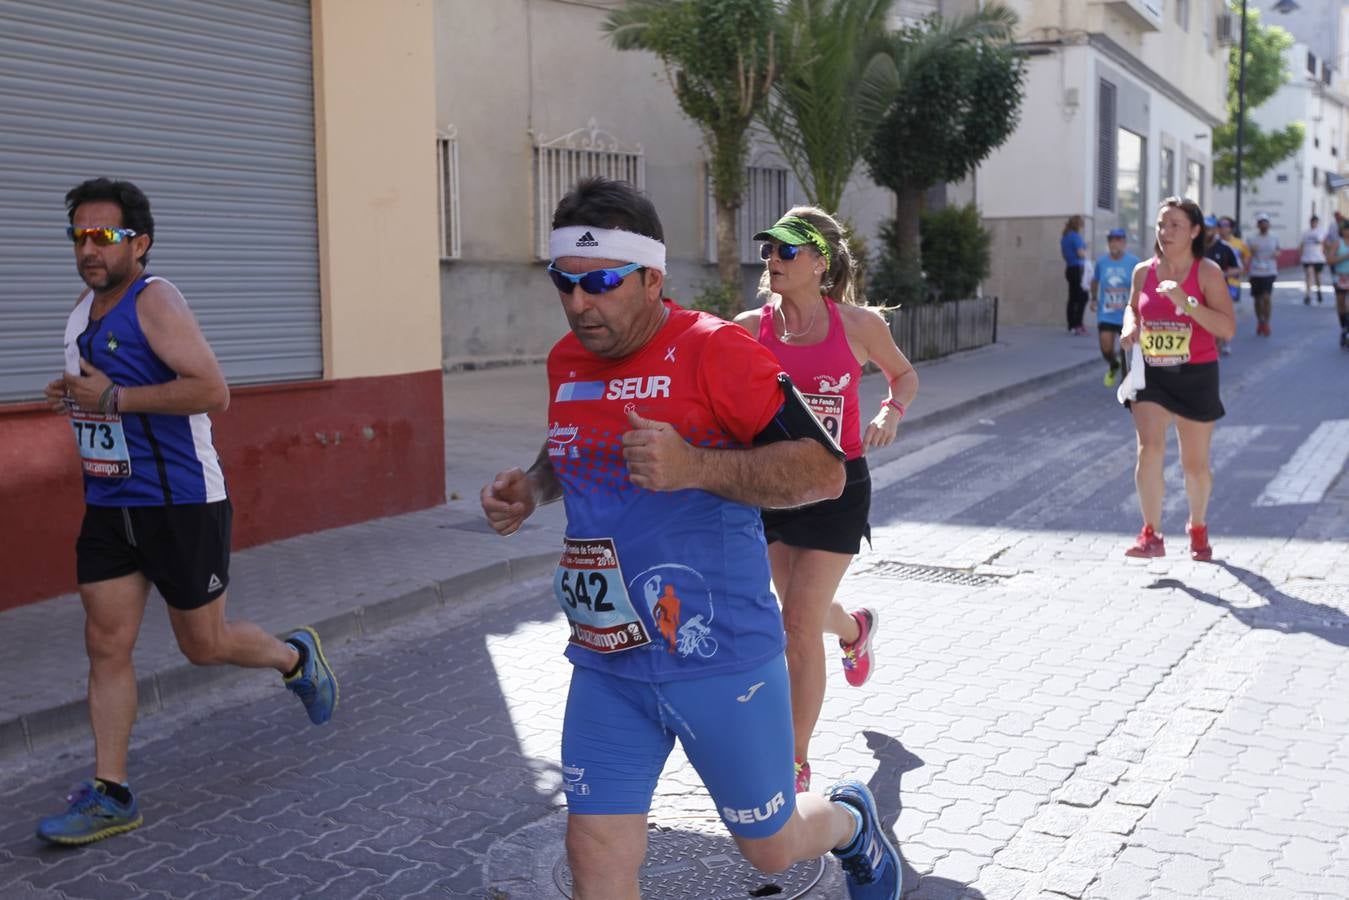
x=667, y=430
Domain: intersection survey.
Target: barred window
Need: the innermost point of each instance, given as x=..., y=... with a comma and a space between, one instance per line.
x=769, y=192
x=560, y=163
x=447, y=180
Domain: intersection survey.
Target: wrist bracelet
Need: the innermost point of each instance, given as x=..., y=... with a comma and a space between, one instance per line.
x=893, y=404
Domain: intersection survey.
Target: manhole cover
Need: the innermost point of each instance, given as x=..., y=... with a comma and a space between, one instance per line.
x=938, y=574
x=706, y=867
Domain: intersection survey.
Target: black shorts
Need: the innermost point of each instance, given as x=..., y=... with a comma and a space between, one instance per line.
x=1262, y=285
x=1189, y=390
x=1317, y=266
x=1109, y=326
x=183, y=550
x=836, y=525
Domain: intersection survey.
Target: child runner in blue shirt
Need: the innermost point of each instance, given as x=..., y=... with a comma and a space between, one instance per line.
x=1110, y=285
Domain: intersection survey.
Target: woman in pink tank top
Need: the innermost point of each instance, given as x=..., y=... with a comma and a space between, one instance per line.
x=822, y=338
x=1178, y=310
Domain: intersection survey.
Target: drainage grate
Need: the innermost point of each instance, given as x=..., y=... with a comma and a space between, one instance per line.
x=935, y=574
x=706, y=867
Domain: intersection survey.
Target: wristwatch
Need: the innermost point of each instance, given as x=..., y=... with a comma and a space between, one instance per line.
x=1191, y=303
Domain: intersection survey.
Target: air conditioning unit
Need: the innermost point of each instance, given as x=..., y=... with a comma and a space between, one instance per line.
x=1226, y=29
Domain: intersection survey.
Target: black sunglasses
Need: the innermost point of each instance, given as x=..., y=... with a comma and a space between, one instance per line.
x=786, y=252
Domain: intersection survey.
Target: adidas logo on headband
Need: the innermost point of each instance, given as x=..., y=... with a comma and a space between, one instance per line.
x=587, y=240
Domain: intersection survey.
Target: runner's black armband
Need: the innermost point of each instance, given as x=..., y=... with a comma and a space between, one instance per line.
x=795, y=421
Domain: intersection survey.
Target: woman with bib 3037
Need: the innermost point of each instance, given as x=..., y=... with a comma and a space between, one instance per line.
x=1178, y=307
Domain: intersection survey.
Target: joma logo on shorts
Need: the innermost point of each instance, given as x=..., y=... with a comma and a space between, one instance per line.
x=757, y=814
x=639, y=388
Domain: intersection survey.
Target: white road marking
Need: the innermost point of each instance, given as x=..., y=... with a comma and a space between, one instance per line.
x=907, y=466
x=1227, y=442
x=1314, y=465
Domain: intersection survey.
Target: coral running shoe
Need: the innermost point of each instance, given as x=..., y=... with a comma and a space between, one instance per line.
x=874, y=868
x=91, y=816
x=857, y=655
x=1148, y=546
x=1200, y=549
x=802, y=776
x=314, y=684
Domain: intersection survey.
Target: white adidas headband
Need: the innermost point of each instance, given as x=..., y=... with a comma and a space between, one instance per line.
x=607, y=243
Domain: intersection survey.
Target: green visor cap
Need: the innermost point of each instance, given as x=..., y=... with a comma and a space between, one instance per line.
x=795, y=230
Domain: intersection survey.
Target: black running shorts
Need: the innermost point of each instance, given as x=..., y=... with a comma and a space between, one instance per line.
x=836, y=525
x=1262, y=285
x=183, y=550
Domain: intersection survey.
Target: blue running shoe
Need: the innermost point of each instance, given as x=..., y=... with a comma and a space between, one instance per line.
x=91, y=816
x=314, y=684
x=874, y=868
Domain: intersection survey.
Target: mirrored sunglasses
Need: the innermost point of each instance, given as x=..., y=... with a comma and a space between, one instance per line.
x=103, y=235
x=596, y=281
x=786, y=252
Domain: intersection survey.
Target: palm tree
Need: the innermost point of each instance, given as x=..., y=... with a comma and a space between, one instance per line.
x=816, y=111
x=721, y=60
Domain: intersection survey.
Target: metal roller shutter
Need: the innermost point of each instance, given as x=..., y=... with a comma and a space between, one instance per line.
x=209, y=108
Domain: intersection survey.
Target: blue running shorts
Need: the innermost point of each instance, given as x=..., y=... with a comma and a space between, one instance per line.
x=736, y=730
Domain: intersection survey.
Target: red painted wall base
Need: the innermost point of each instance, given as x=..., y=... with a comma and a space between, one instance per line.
x=297, y=458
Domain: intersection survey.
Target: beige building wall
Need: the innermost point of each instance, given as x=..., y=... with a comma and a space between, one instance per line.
x=375, y=117
x=514, y=73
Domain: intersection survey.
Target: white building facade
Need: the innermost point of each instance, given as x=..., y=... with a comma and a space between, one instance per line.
x=1317, y=95
x=1121, y=100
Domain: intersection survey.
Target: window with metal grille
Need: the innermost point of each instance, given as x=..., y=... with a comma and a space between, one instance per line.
x=560, y=163
x=1168, y=173
x=447, y=180
x=768, y=194
x=1105, y=146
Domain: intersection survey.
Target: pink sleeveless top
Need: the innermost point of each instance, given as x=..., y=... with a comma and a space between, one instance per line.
x=826, y=373
x=1169, y=338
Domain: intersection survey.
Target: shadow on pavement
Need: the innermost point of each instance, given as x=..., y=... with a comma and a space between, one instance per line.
x=420, y=770
x=894, y=760
x=1281, y=612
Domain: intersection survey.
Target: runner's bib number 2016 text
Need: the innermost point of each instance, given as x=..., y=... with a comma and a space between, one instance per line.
x=828, y=408
x=591, y=591
x=1165, y=343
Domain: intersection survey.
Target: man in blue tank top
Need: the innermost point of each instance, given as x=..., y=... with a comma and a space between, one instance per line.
x=139, y=383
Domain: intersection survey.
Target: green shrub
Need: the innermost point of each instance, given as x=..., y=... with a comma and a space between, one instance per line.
x=718, y=299
x=955, y=249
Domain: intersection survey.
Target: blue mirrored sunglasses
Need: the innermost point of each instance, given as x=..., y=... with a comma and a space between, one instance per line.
x=596, y=281
x=786, y=252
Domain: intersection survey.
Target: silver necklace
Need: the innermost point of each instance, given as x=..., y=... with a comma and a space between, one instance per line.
x=793, y=335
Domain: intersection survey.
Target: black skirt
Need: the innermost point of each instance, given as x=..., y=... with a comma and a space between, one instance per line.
x=1189, y=390
x=836, y=525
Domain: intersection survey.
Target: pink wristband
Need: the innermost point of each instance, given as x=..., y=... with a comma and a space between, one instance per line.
x=893, y=404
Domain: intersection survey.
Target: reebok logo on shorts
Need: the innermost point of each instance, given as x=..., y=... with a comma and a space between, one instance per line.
x=214, y=584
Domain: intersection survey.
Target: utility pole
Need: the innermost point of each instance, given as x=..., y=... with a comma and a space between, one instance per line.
x=1241, y=107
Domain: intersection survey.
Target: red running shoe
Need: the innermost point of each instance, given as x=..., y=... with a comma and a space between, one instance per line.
x=1200, y=549
x=1148, y=546
x=802, y=776
x=857, y=655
